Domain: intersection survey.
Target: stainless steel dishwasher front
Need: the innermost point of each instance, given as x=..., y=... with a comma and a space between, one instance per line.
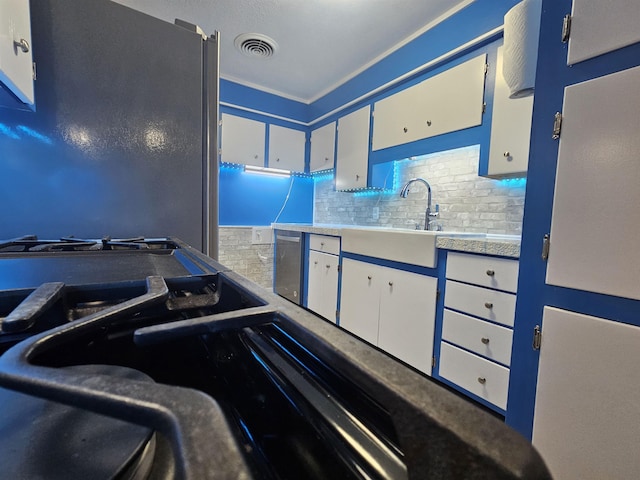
x=288, y=270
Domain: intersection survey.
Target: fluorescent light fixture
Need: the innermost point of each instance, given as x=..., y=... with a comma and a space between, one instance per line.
x=272, y=172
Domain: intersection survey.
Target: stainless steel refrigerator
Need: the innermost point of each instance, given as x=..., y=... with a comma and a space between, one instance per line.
x=124, y=138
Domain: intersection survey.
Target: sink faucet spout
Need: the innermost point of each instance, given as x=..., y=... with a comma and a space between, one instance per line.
x=427, y=214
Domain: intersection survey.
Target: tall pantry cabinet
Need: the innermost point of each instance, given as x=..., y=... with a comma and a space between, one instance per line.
x=575, y=386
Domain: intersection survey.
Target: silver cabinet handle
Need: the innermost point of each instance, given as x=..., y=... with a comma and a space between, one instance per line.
x=315, y=263
x=328, y=266
x=488, y=305
x=491, y=273
x=22, y=45
x=391, y=284
x=507, y=154
x=405, y=129
x=369, y=277
x=482, y=380
x=484, y=340
x=428, y=123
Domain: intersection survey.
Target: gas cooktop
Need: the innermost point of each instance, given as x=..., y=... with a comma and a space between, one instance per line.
x=158, y=362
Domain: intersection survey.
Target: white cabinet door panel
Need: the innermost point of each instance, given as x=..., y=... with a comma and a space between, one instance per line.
x=490, y=272
x=353, y=150
x=16, y=65
x=323, y=142
x=597, y=161
x=599, y=27
x=322, y=284
x=360, y=304
x=510, y=129
x=486, y=379
x=407, y=317
x=496, y=306
x=586, y=422
x=243, y=140
x=487, y=339
x=449, y=101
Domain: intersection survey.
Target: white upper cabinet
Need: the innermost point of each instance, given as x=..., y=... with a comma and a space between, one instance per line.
x=286, y=148
x=16, y=61
x=596, y=193
x=353, y=150
x=450, y=101
x=243, y=140
x=323, y=142
x=510, y=129
x=601, y=27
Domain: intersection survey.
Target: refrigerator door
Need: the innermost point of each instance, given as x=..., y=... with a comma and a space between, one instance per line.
x=121, y=140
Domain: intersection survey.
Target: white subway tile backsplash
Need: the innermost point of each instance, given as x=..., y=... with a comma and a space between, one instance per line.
x=467, y=202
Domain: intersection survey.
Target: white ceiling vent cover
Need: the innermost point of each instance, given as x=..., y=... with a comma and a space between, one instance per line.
x=256, y=45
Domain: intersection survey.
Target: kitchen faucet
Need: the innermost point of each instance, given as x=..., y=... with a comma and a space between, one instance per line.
x=427, y=214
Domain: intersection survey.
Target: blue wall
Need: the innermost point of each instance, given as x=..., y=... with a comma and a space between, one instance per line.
x=250, y=199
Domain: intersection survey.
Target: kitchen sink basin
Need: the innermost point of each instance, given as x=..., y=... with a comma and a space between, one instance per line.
x=417, y=247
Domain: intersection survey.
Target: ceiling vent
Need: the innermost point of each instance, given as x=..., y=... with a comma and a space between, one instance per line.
x=256, y=45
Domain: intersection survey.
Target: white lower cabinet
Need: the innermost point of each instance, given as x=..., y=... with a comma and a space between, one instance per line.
x=391, y=308
x=323, y=271
x=586, y=412
x=475, y=352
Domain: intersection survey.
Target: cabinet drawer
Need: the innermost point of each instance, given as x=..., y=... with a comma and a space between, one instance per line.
x=487, y=339
x=323, y=243
x=481, y=377
x=491, y=272
x=496, y=306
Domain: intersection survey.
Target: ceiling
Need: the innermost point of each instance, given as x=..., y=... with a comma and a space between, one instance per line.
x=320, y=43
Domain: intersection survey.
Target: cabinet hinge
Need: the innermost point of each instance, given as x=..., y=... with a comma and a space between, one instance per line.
x=438, y=294
x=433, y=362
x=566, y=28
x=537, y=337
x=33, y=70
x=484, y=108
x=486, y=68
x=337, y=314
x=339, y=268
x=546, y=244
x=557, y=125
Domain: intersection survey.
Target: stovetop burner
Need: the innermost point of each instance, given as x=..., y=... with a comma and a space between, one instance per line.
x=59, y=442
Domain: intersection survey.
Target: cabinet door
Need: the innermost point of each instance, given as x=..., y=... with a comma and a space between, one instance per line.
x=353, y=150
x=510, y=129
x=586, y=414
x=243, y=140
x=601, y=27
x=596, y=194
x=323, y=143
x=16, y=63
x=322, y=284
x=286, y=148
x=359, y=305
x=449, y=101
x=407, y=316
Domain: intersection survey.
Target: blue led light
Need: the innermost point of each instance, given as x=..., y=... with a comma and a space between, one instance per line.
x=513, y=182
x=8, y=132
x=32, y=133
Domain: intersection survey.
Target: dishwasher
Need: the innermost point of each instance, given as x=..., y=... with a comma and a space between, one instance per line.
x=288, y=269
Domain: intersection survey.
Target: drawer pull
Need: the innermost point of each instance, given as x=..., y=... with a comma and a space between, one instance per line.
x=485, y=340
x=315, y=263
x=482, y=380
x=391, y=284
x=369, y=277
x=328, y=266
x=322, y=244
x=491, y=273
x=488, y=304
